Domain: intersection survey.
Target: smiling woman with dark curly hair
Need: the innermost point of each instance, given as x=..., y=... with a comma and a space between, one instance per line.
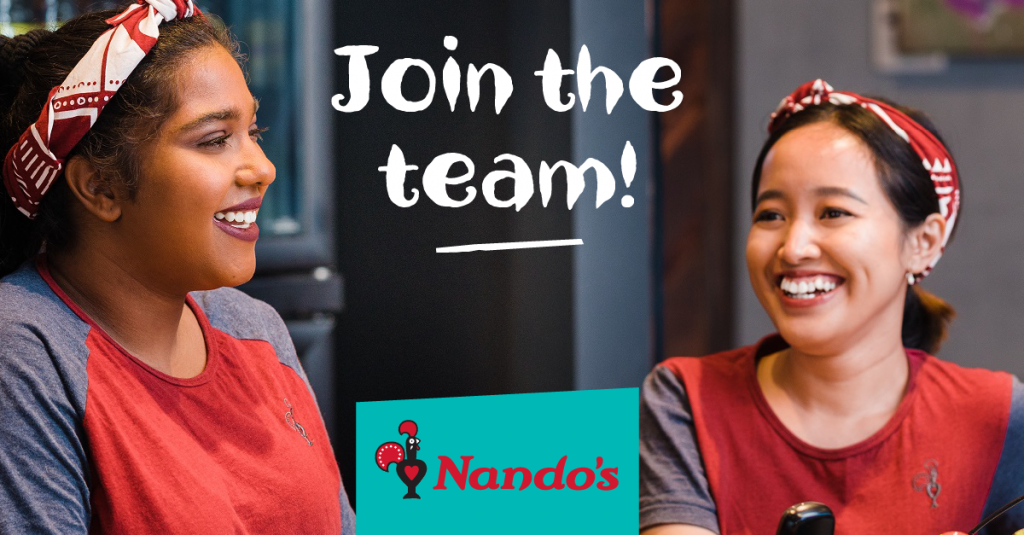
x=137, y=393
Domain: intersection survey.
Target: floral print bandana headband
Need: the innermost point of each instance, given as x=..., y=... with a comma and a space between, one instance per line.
x=72, y=107
x=934, y=156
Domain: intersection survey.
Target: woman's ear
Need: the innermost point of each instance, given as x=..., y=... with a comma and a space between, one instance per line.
x=95, y=194
x=924, y=243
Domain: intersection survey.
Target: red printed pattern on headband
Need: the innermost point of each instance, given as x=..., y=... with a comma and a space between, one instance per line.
x=71, y=109
x=934, y=156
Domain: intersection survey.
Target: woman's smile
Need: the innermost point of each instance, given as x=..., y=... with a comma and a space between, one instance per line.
x=239, y=220
x=805, y=289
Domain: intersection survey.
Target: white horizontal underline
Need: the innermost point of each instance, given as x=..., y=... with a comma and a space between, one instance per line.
x=507, y=245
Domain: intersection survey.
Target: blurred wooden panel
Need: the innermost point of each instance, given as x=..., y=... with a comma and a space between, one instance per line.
x=696, y=151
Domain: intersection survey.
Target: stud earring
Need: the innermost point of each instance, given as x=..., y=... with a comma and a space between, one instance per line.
x=911, y=279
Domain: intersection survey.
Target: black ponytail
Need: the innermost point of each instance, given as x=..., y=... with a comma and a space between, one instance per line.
x=20, y=238
x=926, y=319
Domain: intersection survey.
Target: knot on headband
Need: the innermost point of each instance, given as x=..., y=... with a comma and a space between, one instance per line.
x=37, y=158
x=935, y=158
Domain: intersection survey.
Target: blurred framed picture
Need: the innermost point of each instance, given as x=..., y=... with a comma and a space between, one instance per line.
x=959, y=28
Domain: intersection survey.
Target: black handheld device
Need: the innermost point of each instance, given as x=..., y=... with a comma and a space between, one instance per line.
x=807, y=518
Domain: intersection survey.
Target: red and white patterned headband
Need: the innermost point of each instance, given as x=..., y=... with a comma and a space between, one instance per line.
x=72, y=107
x=934, y=156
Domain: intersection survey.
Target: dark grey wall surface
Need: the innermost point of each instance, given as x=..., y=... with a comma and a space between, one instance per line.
x=614, y=268
x=979, y=108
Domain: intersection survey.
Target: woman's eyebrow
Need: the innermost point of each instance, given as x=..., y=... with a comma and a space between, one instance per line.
x=229, y=114
x=830, y=191
x=214, y=116
x=823, y=191
x=768, y=195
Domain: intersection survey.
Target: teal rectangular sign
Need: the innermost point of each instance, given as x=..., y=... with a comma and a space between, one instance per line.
x=562, y=462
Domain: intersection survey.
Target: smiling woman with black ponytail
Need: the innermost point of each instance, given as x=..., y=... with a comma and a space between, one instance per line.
x=854, y=200
x=137, y=393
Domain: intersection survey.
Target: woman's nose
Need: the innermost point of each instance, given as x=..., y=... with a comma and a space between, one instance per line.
x=799, y=244
x=257, y=169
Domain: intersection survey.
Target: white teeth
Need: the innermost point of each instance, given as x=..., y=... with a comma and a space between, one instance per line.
x=808, y=288
x=243, y=219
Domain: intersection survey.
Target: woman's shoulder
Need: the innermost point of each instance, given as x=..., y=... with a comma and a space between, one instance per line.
x=967, y=378
x=729, y=362
x=25, y=296
x=32, y=316
x=236, y=313
x=1008, y=482
x=722, y=357
x=44, y=350
x=244, y=317
x=674, y=488
x=665, y=385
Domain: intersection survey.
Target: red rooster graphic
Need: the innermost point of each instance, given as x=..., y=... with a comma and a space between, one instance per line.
x=410, y=469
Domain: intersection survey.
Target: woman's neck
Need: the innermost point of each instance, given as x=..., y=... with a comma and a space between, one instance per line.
x=836, y=400
x=157, y=328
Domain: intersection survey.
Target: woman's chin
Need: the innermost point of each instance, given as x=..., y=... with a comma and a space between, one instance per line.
x=242, y=276
x=231, y=275
x=811, y=336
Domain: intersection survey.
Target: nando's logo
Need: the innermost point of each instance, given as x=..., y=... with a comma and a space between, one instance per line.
x=412, y=470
